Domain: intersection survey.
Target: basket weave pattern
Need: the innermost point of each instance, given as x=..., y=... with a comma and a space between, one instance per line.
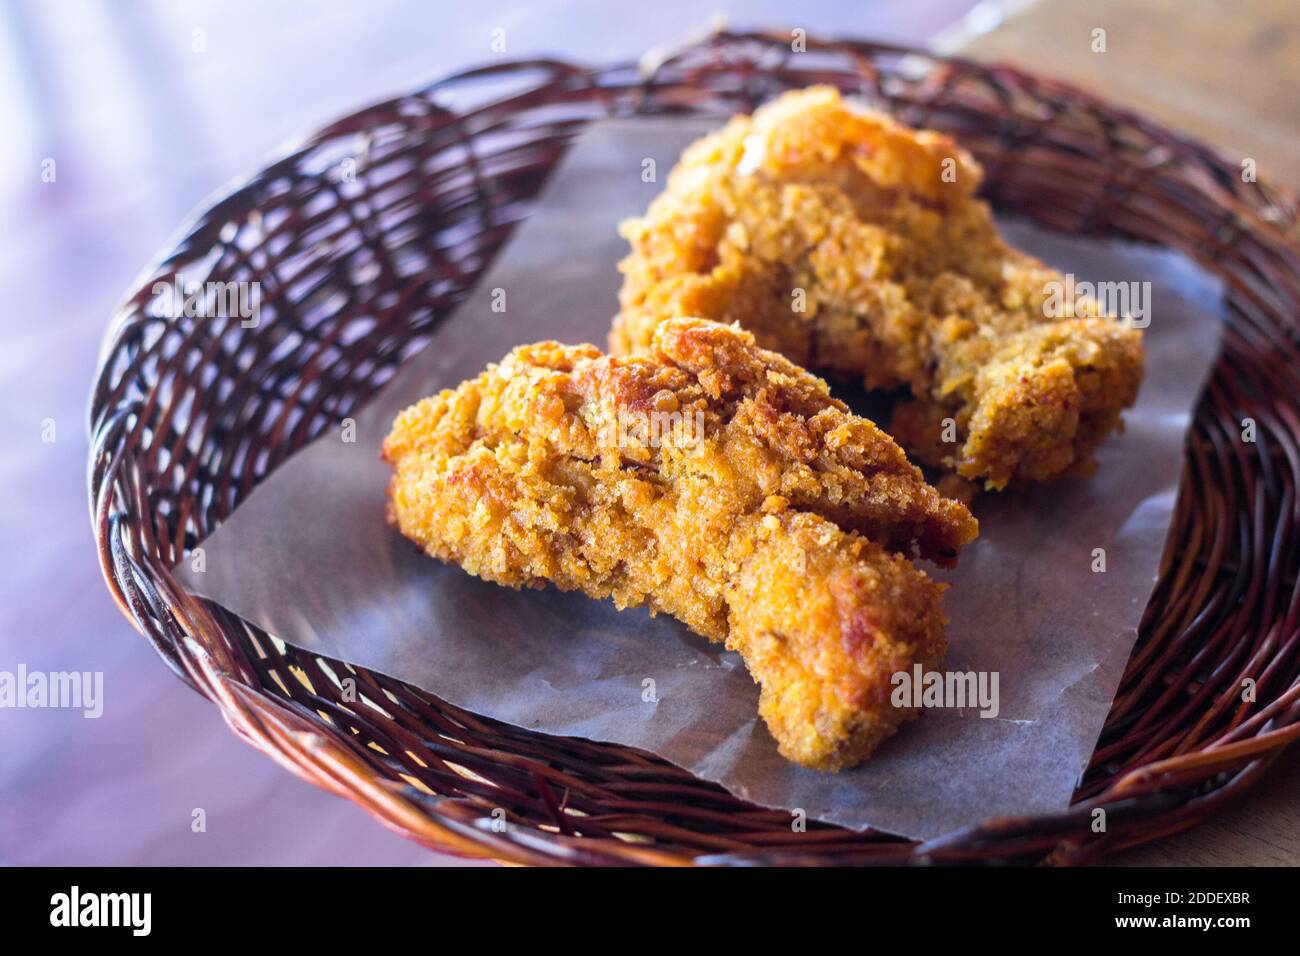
x=368, y=234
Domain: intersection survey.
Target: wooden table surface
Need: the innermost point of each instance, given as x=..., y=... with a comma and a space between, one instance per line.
x=1224, y=71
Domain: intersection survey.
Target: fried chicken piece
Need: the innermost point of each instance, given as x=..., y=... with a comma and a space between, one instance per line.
x=712, y=481
x=852, y=244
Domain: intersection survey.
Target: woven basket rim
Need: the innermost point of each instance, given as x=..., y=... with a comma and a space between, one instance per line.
x=1166, y=794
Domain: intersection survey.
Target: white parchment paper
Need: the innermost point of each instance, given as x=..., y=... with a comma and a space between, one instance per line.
x=309, y=557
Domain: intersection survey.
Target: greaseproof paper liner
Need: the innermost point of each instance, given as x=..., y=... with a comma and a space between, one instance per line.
x=310, y=558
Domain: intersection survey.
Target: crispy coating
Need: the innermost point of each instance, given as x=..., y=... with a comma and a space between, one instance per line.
x=755, y=508
x=852, y=244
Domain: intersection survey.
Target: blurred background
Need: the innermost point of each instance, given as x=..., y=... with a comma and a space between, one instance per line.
x=121, y=118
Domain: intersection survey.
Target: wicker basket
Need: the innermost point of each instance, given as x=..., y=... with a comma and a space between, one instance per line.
x=189, y=414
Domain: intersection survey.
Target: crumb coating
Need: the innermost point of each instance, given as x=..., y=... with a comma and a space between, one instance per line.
x=762, y=514
x=852, y=244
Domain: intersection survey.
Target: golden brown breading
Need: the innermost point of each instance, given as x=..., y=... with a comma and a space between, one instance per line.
x=852, y=244
x=755, y=508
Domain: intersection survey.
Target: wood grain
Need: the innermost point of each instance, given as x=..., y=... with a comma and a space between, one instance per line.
x=1225, y=71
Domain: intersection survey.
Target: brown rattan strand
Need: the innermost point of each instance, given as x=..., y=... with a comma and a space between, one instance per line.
x=189, y=414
